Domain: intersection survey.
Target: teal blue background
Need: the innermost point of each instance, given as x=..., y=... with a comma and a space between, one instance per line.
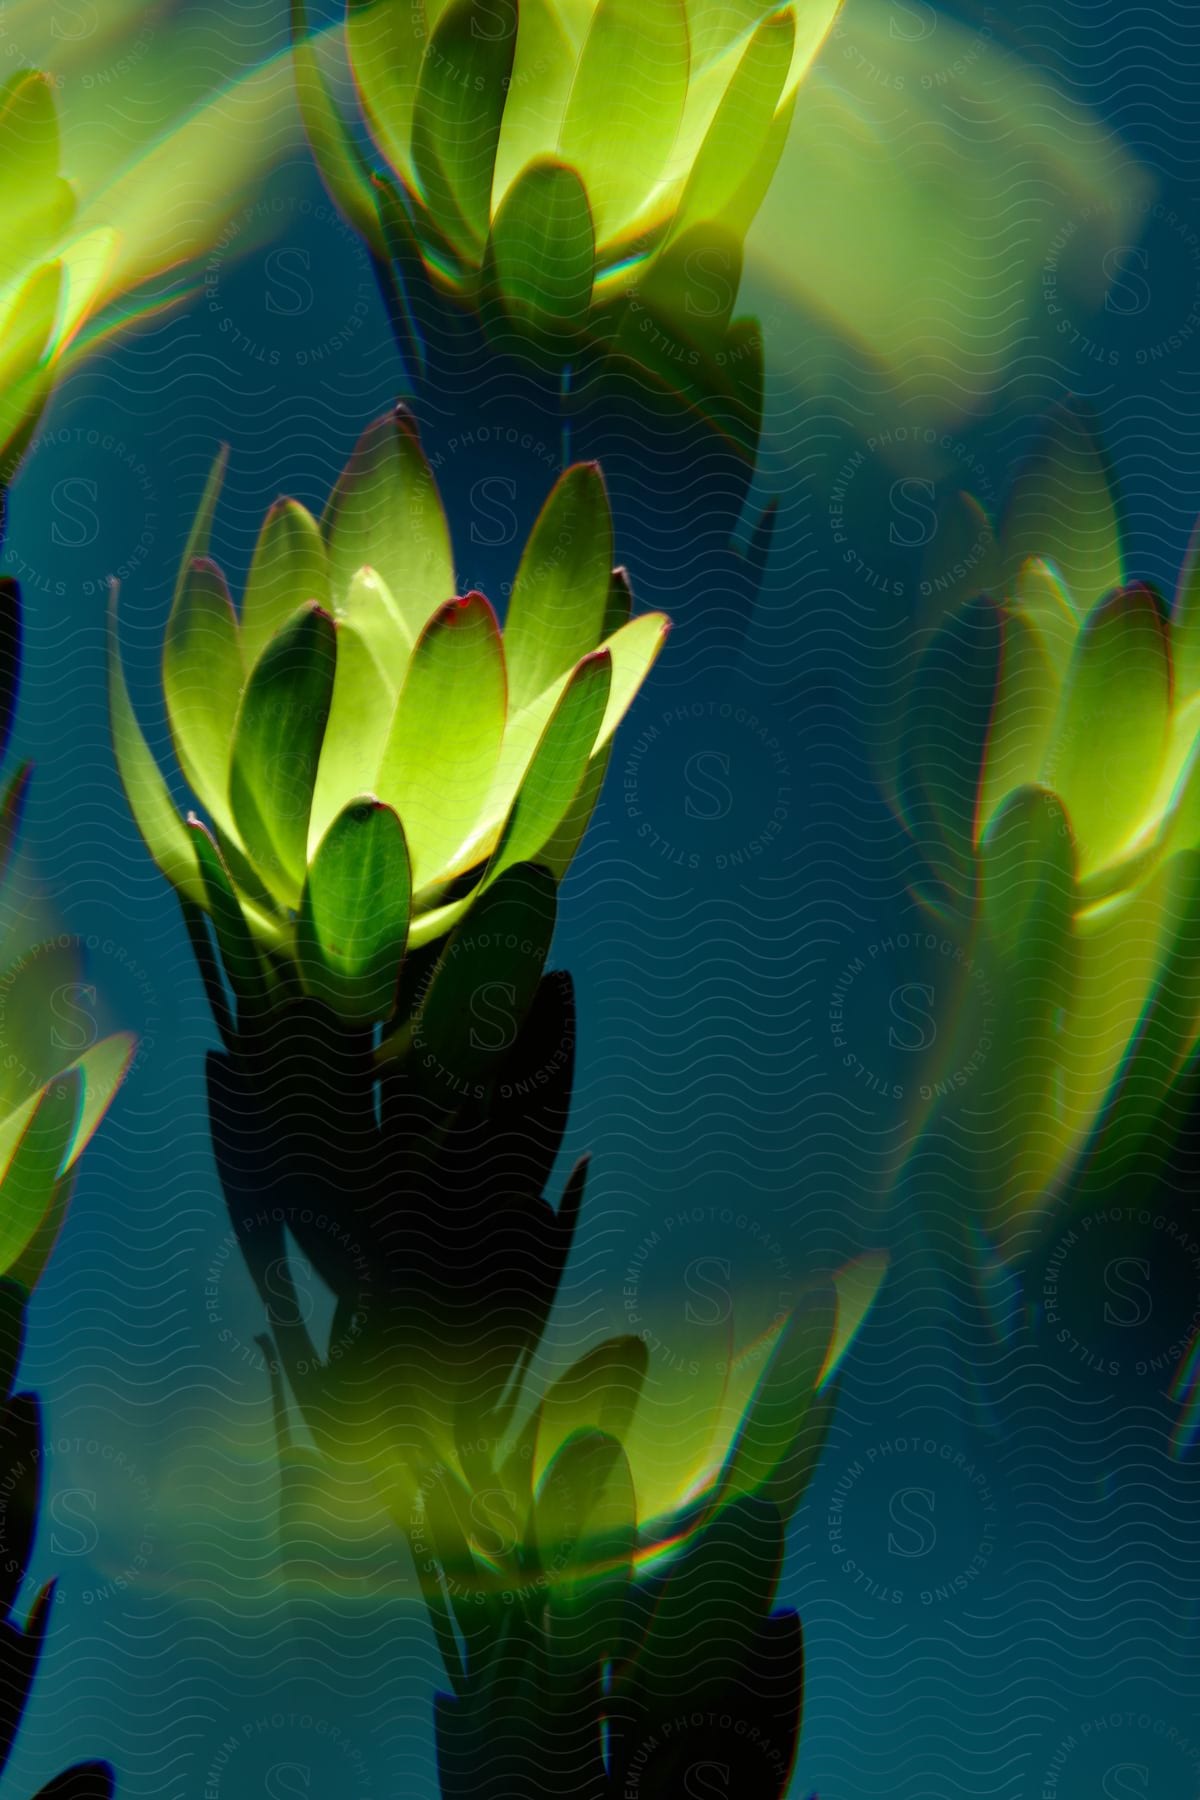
x=1065, y=1663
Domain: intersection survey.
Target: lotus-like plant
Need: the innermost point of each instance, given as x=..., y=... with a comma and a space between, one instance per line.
x=372, y=753
x=1050, y=765
x=562, y=156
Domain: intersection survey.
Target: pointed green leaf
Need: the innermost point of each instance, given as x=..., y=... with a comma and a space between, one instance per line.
x=742, y=208
x=445, y=738
x=559, y=764
x=559, y=850
x=625, y=105
x=1110, y=733
x=277, y=745
x=632, y=650
x=461, y=95
x=335, y=152
x=203, y=676
x=1039, y=597
x=353, y=922
x=386, y=514
x=359, y=721
x=737, y=136
x=1062, y=510
x=556, y=613
x=145, y=787
x=368, y=607
x=543, y=70
x=1027, y=698
x=291, y=565
x=200, y=534
x=101, y=1070
x=385, y=43
x=541, y=255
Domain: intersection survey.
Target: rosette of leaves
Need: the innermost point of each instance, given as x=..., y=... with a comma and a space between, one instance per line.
x=578, y=169
x=1049, y=765
x=393, y=788
x=374, y=754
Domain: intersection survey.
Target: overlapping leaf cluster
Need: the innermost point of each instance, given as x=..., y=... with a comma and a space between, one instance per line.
x=1051, y=765
x=578, y=167
x=373, y=754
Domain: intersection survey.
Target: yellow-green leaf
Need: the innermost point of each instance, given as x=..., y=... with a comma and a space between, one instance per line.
x=359, y=721
x=461, y=95
x=445, y=738
x=1062, y=509
x=353, y=921
x=386, y=514
x=277, y=745
x=290, y=566
x=737, y=137
x=625, y=105
x=541, y=255
x=203, y=676
x=145, y=787
x=559, y=764
x=1110, y=733
x=556, y=613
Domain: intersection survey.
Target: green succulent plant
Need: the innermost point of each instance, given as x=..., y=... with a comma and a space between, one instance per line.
x=1050, y=764
x=51, y=1101
x=563, y=155
x=373, y=755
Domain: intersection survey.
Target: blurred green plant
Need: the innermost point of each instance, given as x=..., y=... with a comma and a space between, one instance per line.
x=1047, y=762
x=51, y=1101
x=74, y=265
x=50, y=1105
x=605, y=1625
x=375, y=756
x=572, y=167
